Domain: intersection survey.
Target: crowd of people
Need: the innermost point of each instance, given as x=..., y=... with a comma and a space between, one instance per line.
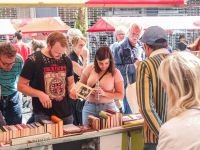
x=166, y=84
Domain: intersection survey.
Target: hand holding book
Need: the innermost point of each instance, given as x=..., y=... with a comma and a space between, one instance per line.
x=81, y=90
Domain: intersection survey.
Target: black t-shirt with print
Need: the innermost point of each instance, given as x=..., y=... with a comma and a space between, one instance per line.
x=51, y=79
x=75, y=58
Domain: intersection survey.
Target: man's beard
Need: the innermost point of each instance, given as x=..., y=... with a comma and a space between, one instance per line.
x=50, y=53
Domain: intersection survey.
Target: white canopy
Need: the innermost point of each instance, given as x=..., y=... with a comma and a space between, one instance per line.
x=167, y=23
x=6, y=27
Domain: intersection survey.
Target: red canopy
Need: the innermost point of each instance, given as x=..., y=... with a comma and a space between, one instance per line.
x=40, y=25
x=101, y=26
x=135, y=2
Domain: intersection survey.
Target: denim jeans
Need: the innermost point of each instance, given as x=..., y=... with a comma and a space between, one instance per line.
x=66, y=120
x=95, y=108
x=11, y=109
x=150, y=146
x=127, y=109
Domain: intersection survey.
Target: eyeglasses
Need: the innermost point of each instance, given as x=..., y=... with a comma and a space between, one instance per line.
x=7, y=64
x=120, y=34
x=135, y=34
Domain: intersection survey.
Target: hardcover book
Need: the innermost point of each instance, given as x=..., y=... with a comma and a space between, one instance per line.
x=60, y=125
x=30, y=139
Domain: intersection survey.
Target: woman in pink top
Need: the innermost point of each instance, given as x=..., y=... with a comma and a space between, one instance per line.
x=111, y=86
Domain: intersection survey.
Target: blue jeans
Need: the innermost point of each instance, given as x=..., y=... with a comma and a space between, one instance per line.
x=11, y=109
x=66, y=120
x=95, y=108
x=150, y=146
x=127, y=109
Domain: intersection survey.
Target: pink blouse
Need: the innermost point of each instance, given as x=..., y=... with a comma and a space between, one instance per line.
x=106, y=83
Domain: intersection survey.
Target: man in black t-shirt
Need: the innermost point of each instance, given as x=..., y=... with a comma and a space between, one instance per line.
x=53, y=82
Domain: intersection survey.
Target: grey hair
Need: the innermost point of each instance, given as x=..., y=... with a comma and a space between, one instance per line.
x=122, y=28
x=74, y=32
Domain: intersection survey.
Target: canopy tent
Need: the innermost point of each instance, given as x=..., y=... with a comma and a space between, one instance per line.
x=40, y=25
x=6, y=27
x=92, y=3
x=167, y=23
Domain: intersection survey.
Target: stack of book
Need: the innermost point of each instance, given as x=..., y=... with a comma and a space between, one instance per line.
x=132, y=120
x=71, y=129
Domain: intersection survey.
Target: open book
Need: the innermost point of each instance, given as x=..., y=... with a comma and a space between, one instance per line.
x=82, y=90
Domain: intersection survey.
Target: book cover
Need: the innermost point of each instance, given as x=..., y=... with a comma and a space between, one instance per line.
x=2, y=134
x=82, y=90
x=31, y=129
x=40, y=127
x=30, y=139
x=70, y=129
x=7, y=134
x=26, y=129
x=86, y=128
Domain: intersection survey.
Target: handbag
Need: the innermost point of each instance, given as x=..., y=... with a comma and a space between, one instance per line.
x=131, y=95
x=81, y=102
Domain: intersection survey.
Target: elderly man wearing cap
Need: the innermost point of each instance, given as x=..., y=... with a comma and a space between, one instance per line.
x=150, y=93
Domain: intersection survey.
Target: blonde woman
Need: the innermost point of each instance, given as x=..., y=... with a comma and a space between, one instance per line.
x=180, y=76
x=79, y=56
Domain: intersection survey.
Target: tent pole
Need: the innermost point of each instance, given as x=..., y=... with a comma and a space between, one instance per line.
x=99, y=39
x=193, y=36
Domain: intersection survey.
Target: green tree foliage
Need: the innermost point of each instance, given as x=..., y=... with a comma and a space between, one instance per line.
x=81, y=20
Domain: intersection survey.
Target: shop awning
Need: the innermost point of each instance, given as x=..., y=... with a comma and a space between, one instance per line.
x=6, y=27
x=92, y=3
x=40, y=25
x=167, y=23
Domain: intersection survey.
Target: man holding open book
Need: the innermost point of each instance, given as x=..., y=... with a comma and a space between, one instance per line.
x=50, y=75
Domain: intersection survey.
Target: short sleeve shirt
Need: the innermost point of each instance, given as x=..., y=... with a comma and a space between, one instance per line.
x=9, y=79
x=106, y=83
x=51, y=79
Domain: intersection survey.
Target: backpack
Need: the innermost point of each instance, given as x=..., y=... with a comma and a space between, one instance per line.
x=38, y=66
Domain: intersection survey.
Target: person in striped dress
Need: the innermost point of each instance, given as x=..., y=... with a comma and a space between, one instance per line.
x=11, y=64
x=150, y=93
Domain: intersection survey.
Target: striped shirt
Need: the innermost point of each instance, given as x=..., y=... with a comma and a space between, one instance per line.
x=9, y=79
x=151, y=97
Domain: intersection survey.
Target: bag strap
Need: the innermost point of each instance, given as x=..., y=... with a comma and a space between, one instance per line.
x=100, y=78
x=127, y=74
x=38, y=66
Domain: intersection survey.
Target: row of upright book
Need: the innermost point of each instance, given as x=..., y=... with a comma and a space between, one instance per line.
x=106, y=119
x=54, y=126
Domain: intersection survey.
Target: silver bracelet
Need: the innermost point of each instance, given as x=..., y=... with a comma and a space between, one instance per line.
x=84, y=63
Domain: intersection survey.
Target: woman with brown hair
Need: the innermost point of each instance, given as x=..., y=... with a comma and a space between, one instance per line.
x=111, y=85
